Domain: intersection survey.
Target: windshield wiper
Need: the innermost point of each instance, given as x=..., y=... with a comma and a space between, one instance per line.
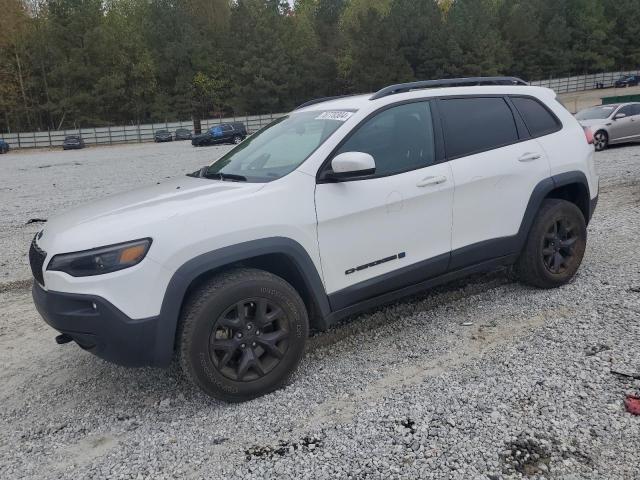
x=226, y=176
x=199, y=173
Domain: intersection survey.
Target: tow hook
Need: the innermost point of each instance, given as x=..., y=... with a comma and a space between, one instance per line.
x=63, y=338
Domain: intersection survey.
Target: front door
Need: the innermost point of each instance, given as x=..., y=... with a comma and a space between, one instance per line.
x=391, y=229
x=628, y=127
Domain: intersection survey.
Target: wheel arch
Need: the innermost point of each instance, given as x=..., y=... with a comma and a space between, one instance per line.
x=571, y=186
x=278, y=255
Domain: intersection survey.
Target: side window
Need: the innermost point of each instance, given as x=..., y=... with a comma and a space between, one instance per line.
x=628, y=110
x=227, y=128
x=538, y=119
x=399, y=139
x=473, y=125
x=636, y=109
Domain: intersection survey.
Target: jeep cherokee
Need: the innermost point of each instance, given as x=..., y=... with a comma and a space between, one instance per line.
x=342, y=205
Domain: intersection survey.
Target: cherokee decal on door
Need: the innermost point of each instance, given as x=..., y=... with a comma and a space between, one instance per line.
x=375, y=263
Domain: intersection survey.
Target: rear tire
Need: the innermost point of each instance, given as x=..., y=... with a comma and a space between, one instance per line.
x=242, y=334
x=600, y=140
x=237, y=139
x=555, y=245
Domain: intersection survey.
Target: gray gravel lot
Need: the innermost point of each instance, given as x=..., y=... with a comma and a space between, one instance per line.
x=39, y=183
x=406, y=391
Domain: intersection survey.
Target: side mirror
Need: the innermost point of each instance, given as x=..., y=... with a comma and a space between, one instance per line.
x=350, y=165
x=618, y=116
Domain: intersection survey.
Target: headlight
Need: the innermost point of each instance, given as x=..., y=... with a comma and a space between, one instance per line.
x=101, y=260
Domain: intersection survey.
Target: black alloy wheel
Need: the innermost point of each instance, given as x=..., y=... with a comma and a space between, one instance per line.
x=555, y=245
x=559, y=245
x=242, y=334
x=249, y=339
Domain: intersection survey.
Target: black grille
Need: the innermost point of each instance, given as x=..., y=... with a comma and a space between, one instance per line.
x=36, y=260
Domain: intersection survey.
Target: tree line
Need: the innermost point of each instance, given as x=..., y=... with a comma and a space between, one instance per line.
x=84, y=63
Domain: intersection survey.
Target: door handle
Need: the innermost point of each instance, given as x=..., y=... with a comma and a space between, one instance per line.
x=529, y=157
x=427, y=181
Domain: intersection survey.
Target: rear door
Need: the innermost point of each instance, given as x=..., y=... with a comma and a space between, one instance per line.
x=227, y=132
x=496, y=164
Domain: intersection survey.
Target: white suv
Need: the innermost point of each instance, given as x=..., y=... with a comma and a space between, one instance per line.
x=340, y=206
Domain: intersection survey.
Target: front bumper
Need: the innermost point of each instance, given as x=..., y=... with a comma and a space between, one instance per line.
x=99, y=327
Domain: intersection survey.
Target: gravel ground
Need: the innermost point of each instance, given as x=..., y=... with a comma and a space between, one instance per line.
x=407, y=391
x=39, y=183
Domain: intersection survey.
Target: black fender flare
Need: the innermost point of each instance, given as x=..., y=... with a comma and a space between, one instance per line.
x=540, y=192
x=187, y=273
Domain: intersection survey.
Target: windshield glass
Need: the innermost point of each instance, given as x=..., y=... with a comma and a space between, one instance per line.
x=595, y=113
x=279, y=148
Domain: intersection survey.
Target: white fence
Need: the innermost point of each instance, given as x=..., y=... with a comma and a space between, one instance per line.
x=583, y=82
x=125, y=134
x=145, y=133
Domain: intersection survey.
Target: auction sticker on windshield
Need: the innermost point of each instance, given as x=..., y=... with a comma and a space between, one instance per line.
x=338, y=115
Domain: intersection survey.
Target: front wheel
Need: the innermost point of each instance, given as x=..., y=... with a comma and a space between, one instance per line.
x=600, y=140
x=242, y=334
x=555, y=246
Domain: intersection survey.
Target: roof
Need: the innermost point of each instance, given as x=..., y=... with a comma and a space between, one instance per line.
x=359, y=102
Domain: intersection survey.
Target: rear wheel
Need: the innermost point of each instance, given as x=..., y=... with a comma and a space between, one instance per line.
x=555, y=246
x=237, y=139
x=242, y=334
x=600, y=140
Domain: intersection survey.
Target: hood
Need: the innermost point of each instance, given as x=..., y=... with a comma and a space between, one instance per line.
x=138, y=213
x=595, y=123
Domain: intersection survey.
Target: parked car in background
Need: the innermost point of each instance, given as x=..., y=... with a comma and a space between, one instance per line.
x=162, y=136
x=610, y=124
x=224, y=133
x=627, y=81
x=182, y=134
x=73, y=142
x=4, y=146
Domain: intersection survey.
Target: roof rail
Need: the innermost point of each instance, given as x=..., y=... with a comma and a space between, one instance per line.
x=320, y=100
x=451, y=82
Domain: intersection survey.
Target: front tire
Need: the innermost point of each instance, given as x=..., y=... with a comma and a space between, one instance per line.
x=600, y=140
x=242, y=334
x=555, y=246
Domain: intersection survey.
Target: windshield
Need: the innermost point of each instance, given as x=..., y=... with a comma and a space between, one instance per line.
x=279, y=148
x=596, y=113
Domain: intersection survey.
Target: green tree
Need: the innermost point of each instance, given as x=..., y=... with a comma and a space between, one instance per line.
x=624, y=37
x=590, y=28
x=473, y=40
x=369, y=58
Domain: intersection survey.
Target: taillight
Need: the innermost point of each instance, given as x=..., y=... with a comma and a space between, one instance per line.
x=589, y=134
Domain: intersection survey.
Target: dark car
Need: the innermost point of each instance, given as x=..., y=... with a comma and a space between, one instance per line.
x=162, y=136
x=182, y=134
x=224, y=133
x=4, y=146
x=627, y=81
x=72, y=142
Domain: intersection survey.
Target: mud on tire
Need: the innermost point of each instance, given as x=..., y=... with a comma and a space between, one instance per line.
x=555, y=245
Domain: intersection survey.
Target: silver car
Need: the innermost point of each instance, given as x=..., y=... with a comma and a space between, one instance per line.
x=615, y=123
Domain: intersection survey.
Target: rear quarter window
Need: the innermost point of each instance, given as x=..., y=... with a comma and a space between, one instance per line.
x=538, y=119
x=475, y=124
